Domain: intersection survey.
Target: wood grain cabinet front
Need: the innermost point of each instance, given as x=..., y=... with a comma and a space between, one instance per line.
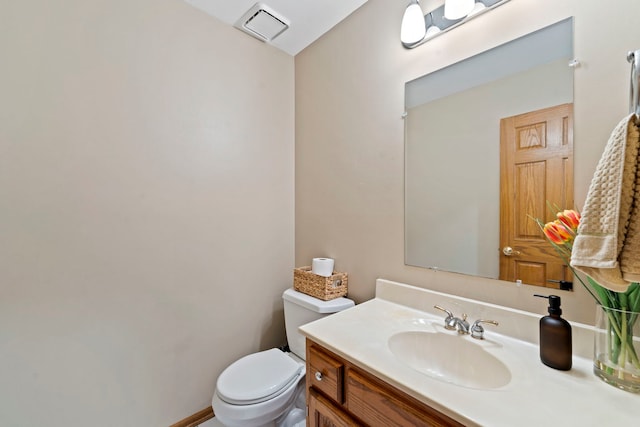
x=323, y=412
x=325, y=372
x=340, y=394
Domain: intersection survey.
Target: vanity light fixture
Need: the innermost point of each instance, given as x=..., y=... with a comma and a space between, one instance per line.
x=477, y=8
x=413, y=27
x=457, y=9
x=418, y=28
x=432, y=29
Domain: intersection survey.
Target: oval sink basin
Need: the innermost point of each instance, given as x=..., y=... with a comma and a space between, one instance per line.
x=450, y=358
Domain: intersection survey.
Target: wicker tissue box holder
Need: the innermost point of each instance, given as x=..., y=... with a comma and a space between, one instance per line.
x=324, y=288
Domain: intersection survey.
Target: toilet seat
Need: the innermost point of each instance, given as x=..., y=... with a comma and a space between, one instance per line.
x=258, y=377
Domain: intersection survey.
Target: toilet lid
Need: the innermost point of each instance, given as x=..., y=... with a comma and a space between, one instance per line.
x=257, y=377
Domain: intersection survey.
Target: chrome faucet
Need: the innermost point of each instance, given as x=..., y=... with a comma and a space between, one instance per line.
x=453, y=323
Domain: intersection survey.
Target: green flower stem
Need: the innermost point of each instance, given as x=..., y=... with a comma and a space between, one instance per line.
x=622, y=357
x=614, y=323
x=621, y=348
x=633, y=356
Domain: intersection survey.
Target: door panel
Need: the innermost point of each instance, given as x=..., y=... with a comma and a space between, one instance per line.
x=536, y=156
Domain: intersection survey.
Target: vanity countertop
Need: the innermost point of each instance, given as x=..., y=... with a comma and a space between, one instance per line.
x=537, y=395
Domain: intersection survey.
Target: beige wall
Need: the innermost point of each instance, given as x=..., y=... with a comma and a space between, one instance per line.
x=349, y=132
x=146, y=208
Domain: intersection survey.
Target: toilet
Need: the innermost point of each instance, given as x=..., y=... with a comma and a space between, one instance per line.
x=267, y=389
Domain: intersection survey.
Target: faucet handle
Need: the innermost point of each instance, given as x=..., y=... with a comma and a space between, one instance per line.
x=477, y=331
x=449, y=314
x=449, y=321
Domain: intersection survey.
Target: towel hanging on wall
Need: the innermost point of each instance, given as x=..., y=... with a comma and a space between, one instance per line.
x=607, y=246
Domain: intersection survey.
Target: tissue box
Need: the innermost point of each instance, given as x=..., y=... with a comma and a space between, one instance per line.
x=324, y=288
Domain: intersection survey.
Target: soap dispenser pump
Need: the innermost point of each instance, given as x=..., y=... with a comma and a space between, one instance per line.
x=555, y=337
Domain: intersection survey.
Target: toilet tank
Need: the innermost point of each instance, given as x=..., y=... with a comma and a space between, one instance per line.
x=300, y=309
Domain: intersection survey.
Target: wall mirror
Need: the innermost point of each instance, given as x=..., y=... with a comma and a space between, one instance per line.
x=452, y=146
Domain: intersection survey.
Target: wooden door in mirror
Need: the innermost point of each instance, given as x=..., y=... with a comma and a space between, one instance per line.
x=536, y=171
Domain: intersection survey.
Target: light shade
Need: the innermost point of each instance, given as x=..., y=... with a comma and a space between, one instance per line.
x=457, y=9
x=413, y=26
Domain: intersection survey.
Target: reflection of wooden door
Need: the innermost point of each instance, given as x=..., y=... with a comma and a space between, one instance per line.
x=536, y=168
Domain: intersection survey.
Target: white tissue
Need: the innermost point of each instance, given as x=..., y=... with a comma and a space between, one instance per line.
x=322, y=266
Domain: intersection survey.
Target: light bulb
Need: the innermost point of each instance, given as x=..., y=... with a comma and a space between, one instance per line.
x=457, y=9
x=432, y=31
x=413, y=27
x=477, y=8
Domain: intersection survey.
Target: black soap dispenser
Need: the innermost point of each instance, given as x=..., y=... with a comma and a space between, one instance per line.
x=555, y=337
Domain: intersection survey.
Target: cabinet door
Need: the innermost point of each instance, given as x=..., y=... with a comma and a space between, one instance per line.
x=378, y=404
x=323, y=413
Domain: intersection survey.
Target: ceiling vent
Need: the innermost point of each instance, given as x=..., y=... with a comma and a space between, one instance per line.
x=262, y=23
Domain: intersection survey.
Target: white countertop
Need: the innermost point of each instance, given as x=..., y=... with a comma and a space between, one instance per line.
x=536, y=395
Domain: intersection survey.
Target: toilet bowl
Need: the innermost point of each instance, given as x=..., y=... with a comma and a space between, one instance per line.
x=257, y=389
x=267, y=389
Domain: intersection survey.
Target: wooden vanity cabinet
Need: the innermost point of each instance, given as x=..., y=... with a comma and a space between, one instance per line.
x=339, y=394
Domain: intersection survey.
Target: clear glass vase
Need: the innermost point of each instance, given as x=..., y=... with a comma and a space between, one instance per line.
x=617, y=348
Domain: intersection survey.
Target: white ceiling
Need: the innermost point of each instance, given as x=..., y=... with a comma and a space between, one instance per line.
x=309, y=19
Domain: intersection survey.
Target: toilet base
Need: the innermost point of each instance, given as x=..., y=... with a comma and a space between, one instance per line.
x=293, y=414
x=295, y=418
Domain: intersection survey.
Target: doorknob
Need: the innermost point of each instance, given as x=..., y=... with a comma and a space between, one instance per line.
x=508, y=251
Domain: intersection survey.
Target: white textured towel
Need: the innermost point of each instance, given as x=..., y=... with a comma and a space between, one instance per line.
x=607, y=246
